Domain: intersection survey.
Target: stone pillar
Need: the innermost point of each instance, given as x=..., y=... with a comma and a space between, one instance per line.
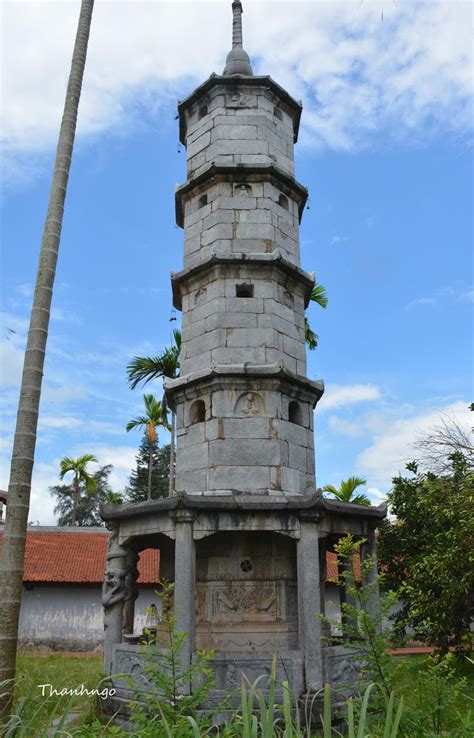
x=368, y=553
x=113, y=594
x=309, y=605
x=185, y=582
x=347, y=579
x=131, y=591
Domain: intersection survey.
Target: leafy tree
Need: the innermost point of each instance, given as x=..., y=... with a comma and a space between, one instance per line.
x=79, y=505
x=156, y=416
x=14, y=538
x=345, y=493
x=137, y=490
x=319, y=297
x=81, y=480
x=165, y=365
x=428, y=553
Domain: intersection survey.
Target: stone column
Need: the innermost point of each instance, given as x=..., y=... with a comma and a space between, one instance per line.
x=309, y=605
x=184, y=582
x=368, y=553
x=113, y=595
x=131, y=591
x=349, y=622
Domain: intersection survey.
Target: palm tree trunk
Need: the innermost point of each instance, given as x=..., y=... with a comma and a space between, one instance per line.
x=172, y=447
x=14, y=539
x=75, y=500
x=150, y=468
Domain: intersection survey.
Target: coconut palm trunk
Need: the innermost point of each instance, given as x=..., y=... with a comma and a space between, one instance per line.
x=150, y=470
x=14, y=538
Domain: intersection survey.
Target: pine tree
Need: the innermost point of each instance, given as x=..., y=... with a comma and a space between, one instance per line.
x=138, y=485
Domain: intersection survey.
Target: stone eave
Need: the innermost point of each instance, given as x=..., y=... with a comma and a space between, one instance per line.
x=314, y=503
x=238, y=81
x=274, y=258
x=257, y=371
x=250, y=172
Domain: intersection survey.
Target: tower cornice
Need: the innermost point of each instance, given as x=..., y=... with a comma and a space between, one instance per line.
x=273, y=259
x=232, y=83
x=220, y=374
x=246, y=172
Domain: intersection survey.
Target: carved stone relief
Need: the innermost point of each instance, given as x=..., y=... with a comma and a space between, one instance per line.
x=249, y=404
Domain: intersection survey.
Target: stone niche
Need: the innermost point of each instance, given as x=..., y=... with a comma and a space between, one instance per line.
x=246, y=592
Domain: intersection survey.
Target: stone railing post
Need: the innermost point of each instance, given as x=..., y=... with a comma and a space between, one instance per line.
x=347, y=580
x=113, y=595
x=309, y=604
x=184, y=582
x=368, y=553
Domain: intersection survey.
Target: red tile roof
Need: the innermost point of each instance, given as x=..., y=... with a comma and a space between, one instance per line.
x=76, y=557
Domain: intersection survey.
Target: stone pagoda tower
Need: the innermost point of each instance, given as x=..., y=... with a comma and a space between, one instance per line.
x=246, y=530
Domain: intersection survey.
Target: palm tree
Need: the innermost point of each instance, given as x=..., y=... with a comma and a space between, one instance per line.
x=345, y=493
x=14, y=538
x=145, y=368
x=156, y=415
x=319, y=296
x=78, y=467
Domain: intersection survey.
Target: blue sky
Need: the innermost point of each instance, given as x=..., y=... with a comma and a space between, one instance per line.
x=385, y=150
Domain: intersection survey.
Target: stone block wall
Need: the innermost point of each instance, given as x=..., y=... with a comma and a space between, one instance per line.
x=244, y=125
x=239, y=218
x=245, y=440
x=220, y=328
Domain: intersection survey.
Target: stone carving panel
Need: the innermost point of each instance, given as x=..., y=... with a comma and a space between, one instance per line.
x=239, y=100
x=249, y=405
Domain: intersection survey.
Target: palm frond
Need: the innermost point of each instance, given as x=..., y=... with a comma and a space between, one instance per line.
x=319, y=295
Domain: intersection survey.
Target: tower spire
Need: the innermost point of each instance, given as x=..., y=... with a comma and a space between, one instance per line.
x=238, y=61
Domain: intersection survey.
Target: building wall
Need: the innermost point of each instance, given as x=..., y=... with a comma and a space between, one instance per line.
x=68, y=617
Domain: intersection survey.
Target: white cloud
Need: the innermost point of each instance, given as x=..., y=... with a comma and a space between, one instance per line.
x=421, y=301
x=49, y=421
x=391, y=447
x=355, y=73
x=346, y=427
x=340, y=395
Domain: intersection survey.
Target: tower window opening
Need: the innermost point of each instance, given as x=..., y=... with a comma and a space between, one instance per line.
x=198, y=412
x=243, y=189
x=202, y=201
x=295, y=414
x=244, y=290
x=283, y=202
x=277, y=113
x=202, y=111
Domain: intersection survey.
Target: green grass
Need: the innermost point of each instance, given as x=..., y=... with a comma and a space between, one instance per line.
x=60, y=670
x=72, y=670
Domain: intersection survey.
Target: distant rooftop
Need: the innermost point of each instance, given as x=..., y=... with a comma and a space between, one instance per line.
x=76, y=556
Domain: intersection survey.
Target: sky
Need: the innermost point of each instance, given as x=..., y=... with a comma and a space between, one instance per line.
x=385, y=149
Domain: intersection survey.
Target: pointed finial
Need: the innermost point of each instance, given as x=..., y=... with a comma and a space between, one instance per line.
x=238, y=61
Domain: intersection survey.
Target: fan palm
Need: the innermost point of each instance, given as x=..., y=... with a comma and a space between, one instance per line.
x=346, y=490
x=78, y=467
x=145, y=368
x=156, y=415
x=319, y=296
x=14, y=538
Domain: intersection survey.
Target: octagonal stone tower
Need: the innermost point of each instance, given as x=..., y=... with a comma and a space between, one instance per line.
x=245, y=536
x=244, y=404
